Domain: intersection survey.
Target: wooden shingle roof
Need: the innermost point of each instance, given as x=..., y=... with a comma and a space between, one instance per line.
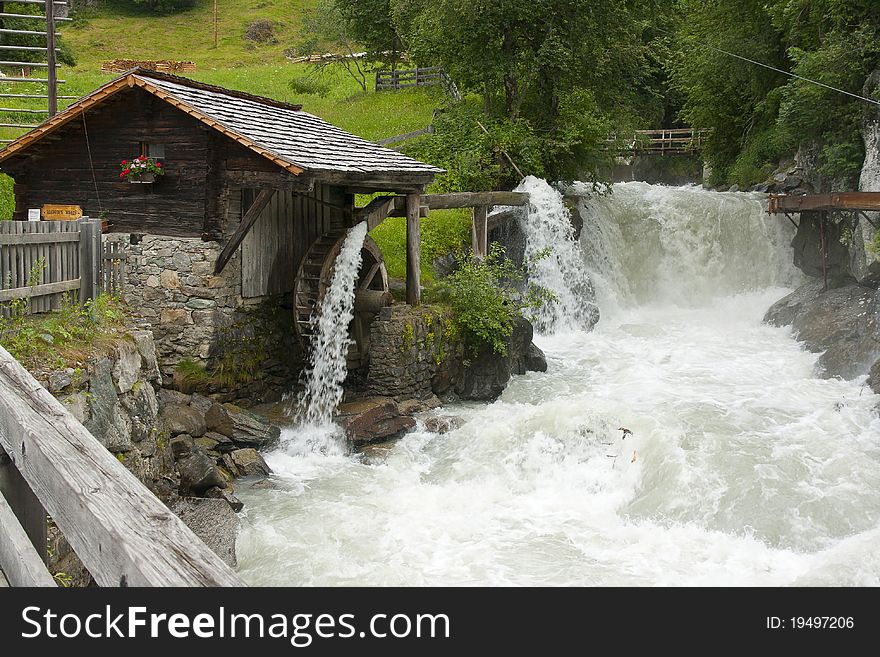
x=295, y=140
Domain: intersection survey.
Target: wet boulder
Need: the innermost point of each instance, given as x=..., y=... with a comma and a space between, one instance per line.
x=843, y=323
x=248, y=463
x=213, y=521
x=243, y=427
x=373, y=419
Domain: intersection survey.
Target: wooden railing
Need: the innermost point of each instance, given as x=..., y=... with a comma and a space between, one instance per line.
x=50, y=464
x=669, y=141
x=412, y=77
x=44, y=260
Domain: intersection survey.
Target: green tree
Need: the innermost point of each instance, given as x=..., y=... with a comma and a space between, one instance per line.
x=564, y=71
x=371, y=24
x=758, y=115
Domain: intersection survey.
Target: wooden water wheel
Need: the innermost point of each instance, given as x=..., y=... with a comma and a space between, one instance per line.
x=313, y=279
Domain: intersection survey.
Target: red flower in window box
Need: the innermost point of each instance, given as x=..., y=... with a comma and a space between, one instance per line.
x=142, y=169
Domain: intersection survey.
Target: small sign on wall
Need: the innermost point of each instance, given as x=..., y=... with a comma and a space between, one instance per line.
x=33, y=214
x=61, y=212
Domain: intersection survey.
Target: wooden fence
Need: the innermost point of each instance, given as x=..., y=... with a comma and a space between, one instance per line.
x=113, y=268
x=413, y=77
x=44, y=260
x=669, y=141
x=51, y=464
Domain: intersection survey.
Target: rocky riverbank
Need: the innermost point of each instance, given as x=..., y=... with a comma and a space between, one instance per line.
x=188, y=449
x=842, y=323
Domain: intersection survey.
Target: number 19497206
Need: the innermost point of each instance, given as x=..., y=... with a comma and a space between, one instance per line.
x=810, y=622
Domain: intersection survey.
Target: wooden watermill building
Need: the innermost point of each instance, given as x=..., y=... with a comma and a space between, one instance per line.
x=254, y=200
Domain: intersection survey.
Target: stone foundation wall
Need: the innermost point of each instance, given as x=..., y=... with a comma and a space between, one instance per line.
x=200, y=317
x=413, y=351
x=171, y=284
x=416, y=353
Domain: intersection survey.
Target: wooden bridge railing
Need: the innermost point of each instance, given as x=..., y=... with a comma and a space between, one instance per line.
x=412, y=77
x=665, y=141
x=50, y=463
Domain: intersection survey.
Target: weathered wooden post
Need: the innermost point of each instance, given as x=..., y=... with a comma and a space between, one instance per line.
x=480, y=232
x=413, y=250
x=90, y=259
x=24, y=504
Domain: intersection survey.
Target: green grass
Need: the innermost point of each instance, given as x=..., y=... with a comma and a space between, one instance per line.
x=65, y=337
x=121, y=30
x=442, y=231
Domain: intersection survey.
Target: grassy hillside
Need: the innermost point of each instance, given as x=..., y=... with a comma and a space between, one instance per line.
x=119, y=30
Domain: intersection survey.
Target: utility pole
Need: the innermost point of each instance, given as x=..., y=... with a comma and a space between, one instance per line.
x=215, y=23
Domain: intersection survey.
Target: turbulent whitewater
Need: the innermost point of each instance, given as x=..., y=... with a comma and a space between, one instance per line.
x=322, y=392
x=741, y=468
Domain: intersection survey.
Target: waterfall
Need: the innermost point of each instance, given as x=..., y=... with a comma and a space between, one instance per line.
x=739, y=467
x=327, y=368
x=651, y=244
x=547, y=226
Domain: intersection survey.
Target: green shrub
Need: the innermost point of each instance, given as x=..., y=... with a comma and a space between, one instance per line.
x=486, y=297
x=309, y=84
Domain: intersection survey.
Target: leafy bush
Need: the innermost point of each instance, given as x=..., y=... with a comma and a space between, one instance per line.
x=486, y=297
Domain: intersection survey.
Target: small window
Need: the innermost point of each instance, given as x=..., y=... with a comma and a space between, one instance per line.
x=153, y=151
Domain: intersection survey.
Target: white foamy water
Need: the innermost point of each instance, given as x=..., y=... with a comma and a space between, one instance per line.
x=315, y=430
x=742, y=469
x=548, y=231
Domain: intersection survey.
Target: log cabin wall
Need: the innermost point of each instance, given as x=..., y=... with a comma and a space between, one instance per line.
x=58, y=167
x=282, y=235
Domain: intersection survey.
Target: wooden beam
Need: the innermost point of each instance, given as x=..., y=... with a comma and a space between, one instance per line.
x=868, y=201
x=413, y=250
x=90, y=261
x=19, y=560
x=28, y=510
x=480, y=232
x=247, y=222
x=474, y=199
x=37, y=238
x=122, y=533
x=52, y=73
x=39, y=290
x=375, y=212
x=268, y=180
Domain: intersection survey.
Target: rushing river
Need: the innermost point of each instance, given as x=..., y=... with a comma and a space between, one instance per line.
x=741, y=468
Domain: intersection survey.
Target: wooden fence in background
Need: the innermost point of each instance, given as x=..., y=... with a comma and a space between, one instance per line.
x=44, y=260
x=412, y=77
